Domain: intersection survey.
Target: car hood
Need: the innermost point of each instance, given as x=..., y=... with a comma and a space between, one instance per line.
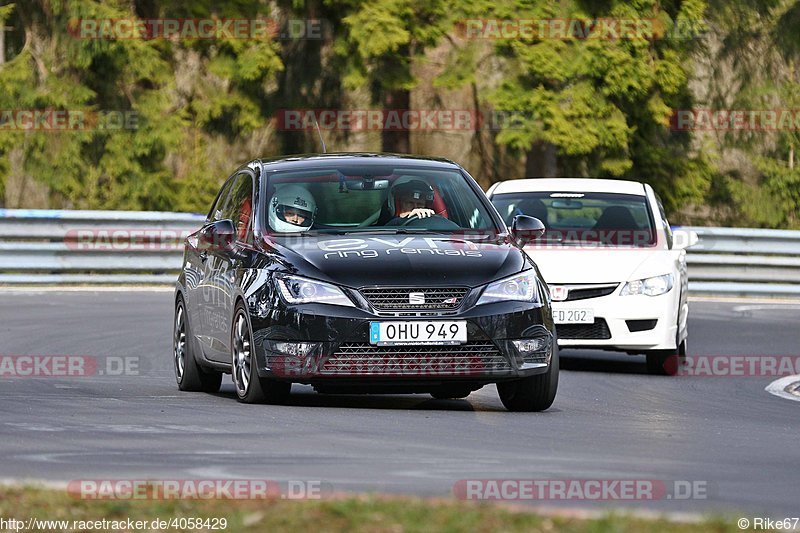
x=371, y=260
x=566, y=266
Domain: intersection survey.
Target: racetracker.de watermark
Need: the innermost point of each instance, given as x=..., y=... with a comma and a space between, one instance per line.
x=198, y=489
x=126, y=239
x=735, y=120
x=468, y=120
x=728, y=366
x=378, y=119
x=193, y=29
x=581, y=29
x=57, y=120
x=411, y=362
x=424, y=120
x=69, y=366
x=580, y=489
x=465, y=243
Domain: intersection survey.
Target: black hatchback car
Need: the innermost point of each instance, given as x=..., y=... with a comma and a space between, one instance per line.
x=363, y=273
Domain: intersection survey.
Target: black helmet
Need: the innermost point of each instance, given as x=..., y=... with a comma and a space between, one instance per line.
x=415, y=188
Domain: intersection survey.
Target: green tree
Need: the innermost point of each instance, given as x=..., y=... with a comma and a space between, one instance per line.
x=755, y=67
x=379, y=42
x=578, y=106
x=178, y=112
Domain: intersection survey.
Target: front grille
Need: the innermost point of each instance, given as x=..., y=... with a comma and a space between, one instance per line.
x=361, y=359
x=398, y=298
x=598, y=330
x=578, y=293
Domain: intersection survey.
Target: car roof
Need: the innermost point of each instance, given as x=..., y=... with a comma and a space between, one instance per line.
x=300, y=161
x=570, y=185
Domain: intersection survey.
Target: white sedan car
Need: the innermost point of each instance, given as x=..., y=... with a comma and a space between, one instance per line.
x=616, y=272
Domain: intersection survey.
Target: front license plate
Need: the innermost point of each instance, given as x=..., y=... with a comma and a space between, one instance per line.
x=437, y=332
x=573, y=316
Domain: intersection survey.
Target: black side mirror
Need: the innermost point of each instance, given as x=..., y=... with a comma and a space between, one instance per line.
x=525, y=229
x=217, y=236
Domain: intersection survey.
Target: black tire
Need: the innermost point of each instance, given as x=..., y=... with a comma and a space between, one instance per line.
x=662, y=363
x=534, y=393
x=668, y=362
x=249, y=387
x=189, y=375
x=451, y=392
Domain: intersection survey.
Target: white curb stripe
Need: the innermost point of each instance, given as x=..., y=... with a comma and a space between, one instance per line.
x=778, y=388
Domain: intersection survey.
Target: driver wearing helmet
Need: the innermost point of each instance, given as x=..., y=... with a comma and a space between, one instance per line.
x=410, y=199
x=292, y=208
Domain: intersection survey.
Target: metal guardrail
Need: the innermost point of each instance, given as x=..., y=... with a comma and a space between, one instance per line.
x=745, y=262
x=45, y=247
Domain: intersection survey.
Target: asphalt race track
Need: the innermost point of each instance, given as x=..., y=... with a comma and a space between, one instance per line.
x=610, y=420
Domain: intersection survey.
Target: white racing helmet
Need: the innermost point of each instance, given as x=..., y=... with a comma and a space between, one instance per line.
x=293, y=197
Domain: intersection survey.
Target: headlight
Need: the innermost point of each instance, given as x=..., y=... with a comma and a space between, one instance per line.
x=519, y=287
x=649, y=286
x=297, y=290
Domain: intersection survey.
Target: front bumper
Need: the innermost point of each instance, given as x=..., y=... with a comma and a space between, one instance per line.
x=319, y=344
x=627, y=323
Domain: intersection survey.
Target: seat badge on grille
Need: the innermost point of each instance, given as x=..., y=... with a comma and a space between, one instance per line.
x=416, y=298
x=558, y=293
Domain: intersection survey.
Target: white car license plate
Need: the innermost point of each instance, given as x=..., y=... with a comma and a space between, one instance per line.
x=437, y=332
x=573, y=316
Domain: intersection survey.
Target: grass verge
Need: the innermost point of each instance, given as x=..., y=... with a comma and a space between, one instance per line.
x=370, y=513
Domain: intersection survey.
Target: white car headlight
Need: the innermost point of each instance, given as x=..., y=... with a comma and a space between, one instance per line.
x=297, y=290
x=649, y=286
x=519, y=287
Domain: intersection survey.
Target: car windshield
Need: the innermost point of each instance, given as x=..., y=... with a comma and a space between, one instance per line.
x=574, y=218
x=366, y=199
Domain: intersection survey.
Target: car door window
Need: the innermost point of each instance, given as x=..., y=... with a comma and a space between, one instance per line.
x=220, y=204
x=239, y=207
x=667, y=229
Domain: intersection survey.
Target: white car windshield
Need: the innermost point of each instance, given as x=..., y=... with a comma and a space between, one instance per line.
x=572, y=217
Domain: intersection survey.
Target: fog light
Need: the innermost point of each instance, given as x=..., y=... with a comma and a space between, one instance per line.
x=295, y=349
x=528, y=346
x=287, y=359
x=532, y=353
